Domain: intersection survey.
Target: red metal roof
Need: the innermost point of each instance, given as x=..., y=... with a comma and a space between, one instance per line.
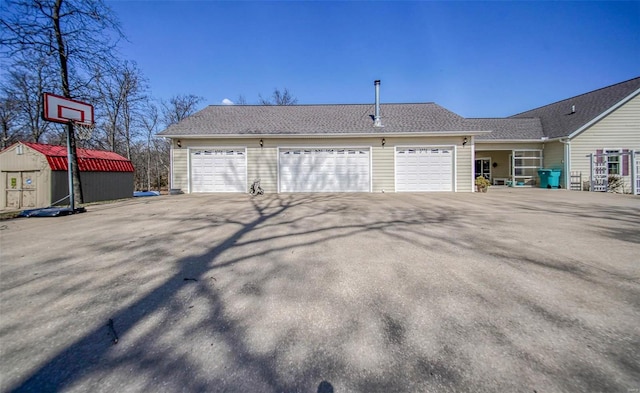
x=88, y=160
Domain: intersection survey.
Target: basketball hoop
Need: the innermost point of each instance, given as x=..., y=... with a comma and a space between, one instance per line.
x=84, y=131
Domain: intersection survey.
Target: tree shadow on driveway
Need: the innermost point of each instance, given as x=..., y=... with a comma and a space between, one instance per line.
x=296, y=290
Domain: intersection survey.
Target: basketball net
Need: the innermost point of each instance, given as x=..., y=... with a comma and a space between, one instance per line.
x=84, y=131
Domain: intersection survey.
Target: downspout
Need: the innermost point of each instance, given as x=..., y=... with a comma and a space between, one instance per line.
x=567, y=163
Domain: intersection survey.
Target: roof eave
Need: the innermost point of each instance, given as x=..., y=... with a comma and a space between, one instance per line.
x=603, y=115
x=539, y=140
x=327, y=135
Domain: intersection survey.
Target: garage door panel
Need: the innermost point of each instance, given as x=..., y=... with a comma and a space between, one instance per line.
x=424, y=169
x=218, y=170
x=324, y=170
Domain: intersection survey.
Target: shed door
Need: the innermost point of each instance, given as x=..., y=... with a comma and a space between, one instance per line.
x=219, y=170
x=424, y=169
x=21, y=189
x=325, y=170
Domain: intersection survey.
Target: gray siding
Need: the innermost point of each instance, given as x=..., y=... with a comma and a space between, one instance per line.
x=96, y=186
x=59, y=187
x=619, y=130
x=106, y=186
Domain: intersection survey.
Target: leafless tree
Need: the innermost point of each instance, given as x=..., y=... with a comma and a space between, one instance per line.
x=79, y=34
x=9, y=112
x=156, y=151
x=122, y=91
x=179, y=107
x=241, y=100
x=26, y=81
x=278, y=98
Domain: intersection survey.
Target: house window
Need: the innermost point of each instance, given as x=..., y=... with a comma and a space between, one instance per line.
x=613, y=162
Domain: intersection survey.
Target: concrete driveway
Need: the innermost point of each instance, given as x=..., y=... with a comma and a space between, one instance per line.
x=516, y=290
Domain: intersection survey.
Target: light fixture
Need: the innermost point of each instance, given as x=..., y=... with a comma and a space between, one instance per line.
x=179, y=143
x=261, y=143
x=464, y=141
x=384, y=142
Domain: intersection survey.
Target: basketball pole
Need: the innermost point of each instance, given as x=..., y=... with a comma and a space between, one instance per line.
x=70, y=169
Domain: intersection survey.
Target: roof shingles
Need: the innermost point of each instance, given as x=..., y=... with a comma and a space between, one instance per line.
x=316, y=119
x=558, y=120
x=551, y=121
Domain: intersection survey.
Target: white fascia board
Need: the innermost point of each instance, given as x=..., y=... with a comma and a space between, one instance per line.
x=367, y=135
x=603, y=114
x=479, y=142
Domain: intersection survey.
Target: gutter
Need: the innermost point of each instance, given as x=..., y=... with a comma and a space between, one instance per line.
x=341, y=135
x=540, y=140
x=567, y=162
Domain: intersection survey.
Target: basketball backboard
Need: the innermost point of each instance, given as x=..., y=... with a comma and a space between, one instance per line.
x=64, y=110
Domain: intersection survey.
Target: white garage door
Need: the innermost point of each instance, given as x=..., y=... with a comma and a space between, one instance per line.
x=424, y=169
x=324, y=170
x=219, y=170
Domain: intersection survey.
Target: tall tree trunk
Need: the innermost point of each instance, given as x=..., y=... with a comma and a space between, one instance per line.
x=66, y=92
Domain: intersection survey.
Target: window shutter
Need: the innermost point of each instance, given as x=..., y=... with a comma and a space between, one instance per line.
x=599, y=157
x=625, y=163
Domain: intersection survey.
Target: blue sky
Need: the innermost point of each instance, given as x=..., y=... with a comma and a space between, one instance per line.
x=478, y=59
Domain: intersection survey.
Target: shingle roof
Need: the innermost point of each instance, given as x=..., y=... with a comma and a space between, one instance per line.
x=88, y=160
x=558, y=120
x=552, y=121
x=317, y=119
x=507, y=129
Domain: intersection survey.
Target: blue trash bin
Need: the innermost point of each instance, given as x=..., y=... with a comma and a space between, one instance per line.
x=549, y=178
x=554, y=178
x=544, y=175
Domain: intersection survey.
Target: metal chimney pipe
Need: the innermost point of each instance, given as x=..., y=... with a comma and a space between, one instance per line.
x=376, y=120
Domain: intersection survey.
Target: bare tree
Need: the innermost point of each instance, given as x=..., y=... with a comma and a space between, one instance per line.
x=27, y=80
x=79, y=34
x=122, y=91
x=241, y=100
x=154, y=153
x=278, y=98
x=9, y=112
x=179, y=107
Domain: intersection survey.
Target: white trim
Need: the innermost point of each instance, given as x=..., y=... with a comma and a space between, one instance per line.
x=604, y=114
x=368, y=147
x=483, y=158
x=329, y=135
x=171, y=182
x=246, y=162
x=370, y=169
x=472, y=165
x=617, y=152
x=455, y=168
x=567, y=163
x=634, y=173
x=485, y=141
x=513, y=162
x=454, y=186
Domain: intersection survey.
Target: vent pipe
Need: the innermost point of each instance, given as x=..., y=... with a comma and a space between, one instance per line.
x=376, y=120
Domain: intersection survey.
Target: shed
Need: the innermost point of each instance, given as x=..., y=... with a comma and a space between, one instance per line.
x=35, y=175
